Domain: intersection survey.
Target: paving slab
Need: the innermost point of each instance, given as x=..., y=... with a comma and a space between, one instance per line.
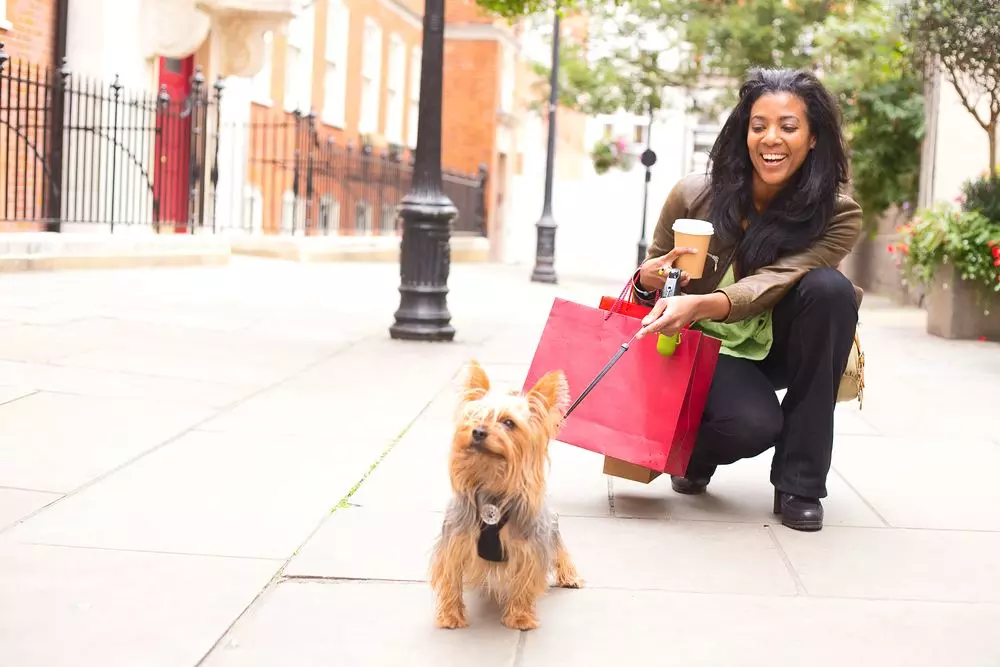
x=370, y=543
x=64, y=607
x=904, y=479
x=15, y=504
x=116, y=384
x=9, y=394
x=57, y=442
x=692, y=556
x=740, y=492
x=894, y=564
x=596, y=627
x=370, y=624
x=209, y=493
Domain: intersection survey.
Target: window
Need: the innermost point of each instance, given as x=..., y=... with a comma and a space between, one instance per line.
x=261, y=82
x=338, y=21
x=395, y=90
x=4, y=23
x=298, y=61
x=414, y=114
x=371, y=78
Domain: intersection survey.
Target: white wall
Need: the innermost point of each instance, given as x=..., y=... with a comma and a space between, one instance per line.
x=961, y=144
x=599, y=216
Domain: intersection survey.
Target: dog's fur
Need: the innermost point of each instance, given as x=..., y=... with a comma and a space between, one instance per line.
x=506, y=468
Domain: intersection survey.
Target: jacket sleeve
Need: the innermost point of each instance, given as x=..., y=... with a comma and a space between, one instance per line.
x=675, y=207
x=761, y=291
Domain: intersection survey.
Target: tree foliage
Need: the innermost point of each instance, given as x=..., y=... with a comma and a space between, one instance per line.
x=856, y=47
x=963, y=38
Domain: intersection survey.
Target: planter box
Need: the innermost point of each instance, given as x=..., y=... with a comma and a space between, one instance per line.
x=958, y=309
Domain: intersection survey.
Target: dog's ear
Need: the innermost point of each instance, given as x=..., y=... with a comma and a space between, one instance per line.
x=550, y=395
x=476, y=383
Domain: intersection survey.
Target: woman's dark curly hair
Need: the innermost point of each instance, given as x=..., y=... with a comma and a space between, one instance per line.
x=799, y=213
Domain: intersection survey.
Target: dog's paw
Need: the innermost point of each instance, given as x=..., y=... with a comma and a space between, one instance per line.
x=569, y=580
x=451, y=620
x=520, y=620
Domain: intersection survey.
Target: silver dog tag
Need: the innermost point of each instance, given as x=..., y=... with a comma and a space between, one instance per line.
x=490, y=514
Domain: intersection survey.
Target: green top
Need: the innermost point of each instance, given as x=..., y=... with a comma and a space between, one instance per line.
x=748, y=339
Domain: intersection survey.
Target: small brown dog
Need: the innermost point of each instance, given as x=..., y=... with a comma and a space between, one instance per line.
x=498, y=533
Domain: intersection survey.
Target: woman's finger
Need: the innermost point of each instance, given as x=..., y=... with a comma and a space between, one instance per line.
x=657, y=310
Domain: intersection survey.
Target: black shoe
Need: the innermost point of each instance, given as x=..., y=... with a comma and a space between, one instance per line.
x=691, y=486
x=798, y=512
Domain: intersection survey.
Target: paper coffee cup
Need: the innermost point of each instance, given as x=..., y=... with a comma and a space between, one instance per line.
x=692, y=233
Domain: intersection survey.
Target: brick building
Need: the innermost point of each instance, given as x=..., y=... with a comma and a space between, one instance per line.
x=356, y=65
x=27, y=28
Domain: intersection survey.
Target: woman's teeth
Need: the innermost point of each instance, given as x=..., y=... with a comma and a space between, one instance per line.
x=773, y=158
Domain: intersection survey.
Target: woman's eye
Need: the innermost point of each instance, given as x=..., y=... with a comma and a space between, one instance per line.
x=757, y=129
x=789, y=129
x=509, y=423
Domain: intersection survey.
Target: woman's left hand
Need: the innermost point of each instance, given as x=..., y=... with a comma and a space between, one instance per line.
x=671, y=314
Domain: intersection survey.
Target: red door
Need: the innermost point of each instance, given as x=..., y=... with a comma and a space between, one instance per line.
x=173, y=144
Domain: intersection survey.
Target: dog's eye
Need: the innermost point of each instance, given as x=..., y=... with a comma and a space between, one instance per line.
x=509, y=423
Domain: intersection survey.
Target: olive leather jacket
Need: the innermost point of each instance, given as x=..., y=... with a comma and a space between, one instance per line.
x=759, y=292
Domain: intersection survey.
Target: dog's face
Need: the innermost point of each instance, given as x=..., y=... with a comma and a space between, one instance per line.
x=501, y=438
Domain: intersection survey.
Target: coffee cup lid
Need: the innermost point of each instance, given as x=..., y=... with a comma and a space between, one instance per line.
x=694, y=226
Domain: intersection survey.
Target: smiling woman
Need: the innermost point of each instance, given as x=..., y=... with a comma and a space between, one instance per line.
x=786, y=316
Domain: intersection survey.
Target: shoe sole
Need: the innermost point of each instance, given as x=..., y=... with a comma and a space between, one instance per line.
x=688, y=491
x=804, y=526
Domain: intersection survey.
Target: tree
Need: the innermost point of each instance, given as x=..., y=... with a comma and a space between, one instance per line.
x=868, y=64
x=514, y=9
x=962, y=37
x=855, y=47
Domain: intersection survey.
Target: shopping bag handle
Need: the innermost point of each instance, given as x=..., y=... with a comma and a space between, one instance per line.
x=621, y=296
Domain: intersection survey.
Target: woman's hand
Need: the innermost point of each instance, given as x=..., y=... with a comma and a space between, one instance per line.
x=649, y=277
x=670, y=315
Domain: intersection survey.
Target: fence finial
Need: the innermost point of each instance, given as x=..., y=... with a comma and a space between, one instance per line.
x=3, y=57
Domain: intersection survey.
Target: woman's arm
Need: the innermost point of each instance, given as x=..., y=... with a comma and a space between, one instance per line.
x=676, y=206
x=761, y=291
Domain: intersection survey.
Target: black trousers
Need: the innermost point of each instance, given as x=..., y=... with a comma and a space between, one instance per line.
x=814, y=326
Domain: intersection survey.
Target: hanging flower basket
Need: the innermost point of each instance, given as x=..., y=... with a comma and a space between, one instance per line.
x=611, y=154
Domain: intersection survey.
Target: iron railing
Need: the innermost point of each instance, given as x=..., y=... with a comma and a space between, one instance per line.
x=75, y=151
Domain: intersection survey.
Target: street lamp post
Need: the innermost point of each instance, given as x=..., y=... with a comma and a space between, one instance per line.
x=545, y=228
x=425, y=250
x=648, y=159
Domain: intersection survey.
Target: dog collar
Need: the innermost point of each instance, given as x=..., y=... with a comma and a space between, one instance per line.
x=491, y=520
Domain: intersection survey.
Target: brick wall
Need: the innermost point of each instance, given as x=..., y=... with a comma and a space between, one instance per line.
x=32, y=30
x=27, y=41
x=470, y=103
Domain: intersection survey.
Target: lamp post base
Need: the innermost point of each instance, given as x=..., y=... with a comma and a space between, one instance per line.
x=545, y=250
x=425, y=262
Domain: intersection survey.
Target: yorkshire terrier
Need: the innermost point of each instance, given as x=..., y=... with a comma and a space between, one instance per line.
x=498, y=533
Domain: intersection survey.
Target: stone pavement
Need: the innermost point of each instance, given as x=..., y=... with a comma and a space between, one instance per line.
x=179, y=448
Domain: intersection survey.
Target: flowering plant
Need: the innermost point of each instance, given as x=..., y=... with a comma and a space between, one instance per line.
x=611, y=153
x=944, y=235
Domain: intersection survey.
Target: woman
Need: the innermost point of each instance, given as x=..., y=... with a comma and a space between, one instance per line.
x=771, y=290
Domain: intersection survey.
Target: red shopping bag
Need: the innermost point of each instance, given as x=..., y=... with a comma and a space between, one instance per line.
x=647, y=410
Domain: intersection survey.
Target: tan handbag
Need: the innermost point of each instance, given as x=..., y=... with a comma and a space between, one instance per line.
x=852, y=383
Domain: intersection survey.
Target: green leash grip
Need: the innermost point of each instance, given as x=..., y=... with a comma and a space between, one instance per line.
x=666, y=345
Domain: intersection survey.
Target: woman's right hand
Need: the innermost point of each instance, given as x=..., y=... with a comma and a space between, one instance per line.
x=649, y=273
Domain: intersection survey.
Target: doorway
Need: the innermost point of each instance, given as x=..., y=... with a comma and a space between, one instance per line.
x=173, y=145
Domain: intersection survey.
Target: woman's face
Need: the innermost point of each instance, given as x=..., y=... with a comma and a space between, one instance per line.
x=778, y=137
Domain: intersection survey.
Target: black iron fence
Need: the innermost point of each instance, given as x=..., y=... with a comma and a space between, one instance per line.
x=76, y=151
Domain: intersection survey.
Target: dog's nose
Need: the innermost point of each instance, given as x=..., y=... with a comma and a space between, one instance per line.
x=478, y=434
